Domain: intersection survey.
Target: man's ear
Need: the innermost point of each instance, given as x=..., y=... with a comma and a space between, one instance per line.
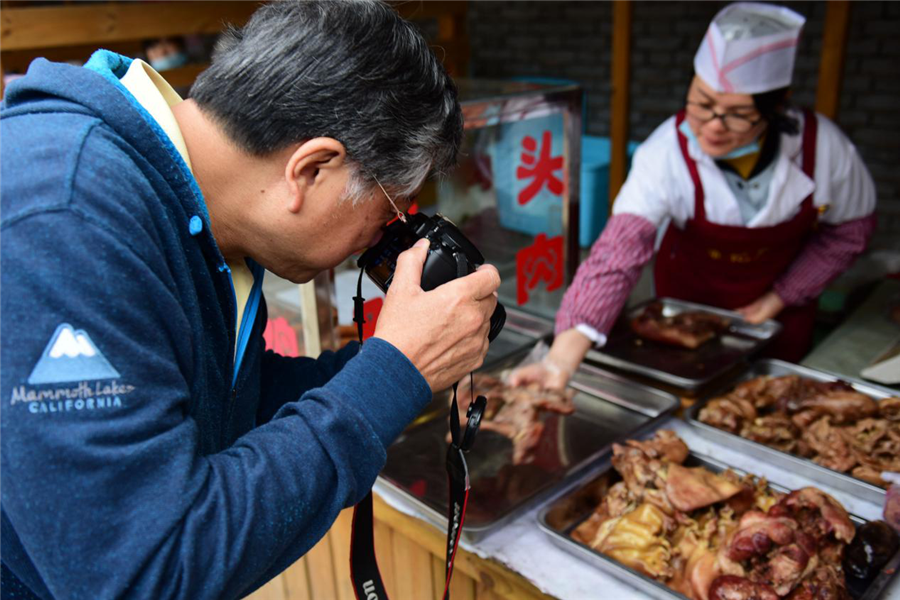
x=309, y=166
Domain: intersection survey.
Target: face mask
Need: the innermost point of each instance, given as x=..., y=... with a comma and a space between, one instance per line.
x=750, y=148
x=172, y=61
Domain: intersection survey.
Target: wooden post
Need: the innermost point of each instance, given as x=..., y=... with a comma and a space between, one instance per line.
x=621, y=67
x=831, y=64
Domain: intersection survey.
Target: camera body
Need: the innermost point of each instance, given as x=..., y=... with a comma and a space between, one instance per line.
x=450, y=255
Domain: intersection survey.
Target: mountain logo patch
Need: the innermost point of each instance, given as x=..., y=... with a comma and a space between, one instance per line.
x=71, y=355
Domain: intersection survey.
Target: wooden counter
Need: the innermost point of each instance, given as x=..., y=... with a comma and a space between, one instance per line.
x=411, y=558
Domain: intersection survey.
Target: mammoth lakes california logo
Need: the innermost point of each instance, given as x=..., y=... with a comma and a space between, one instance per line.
x=71, y=375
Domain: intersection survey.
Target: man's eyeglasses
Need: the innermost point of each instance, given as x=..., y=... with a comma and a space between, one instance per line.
x=400, y=213
x=732, y=122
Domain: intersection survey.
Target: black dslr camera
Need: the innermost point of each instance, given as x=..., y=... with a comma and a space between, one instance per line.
x=450, y=255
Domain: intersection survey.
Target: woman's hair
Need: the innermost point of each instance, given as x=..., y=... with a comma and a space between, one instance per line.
x=773, y=107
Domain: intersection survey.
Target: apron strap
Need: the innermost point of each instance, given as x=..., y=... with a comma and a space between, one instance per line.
x=699, y=209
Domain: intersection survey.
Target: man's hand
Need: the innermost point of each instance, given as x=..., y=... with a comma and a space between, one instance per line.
x=765, y=307
x=442, y=332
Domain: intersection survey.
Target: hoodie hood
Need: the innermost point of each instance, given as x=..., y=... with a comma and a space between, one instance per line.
x=95, y=90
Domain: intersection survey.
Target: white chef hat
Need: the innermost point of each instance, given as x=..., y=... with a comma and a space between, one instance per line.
x=749, y=48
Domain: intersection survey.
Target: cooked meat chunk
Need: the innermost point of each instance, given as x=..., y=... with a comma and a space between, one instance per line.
x=818, y=514
x=732, y=587
x=828, y=422
x=889, y=408
x=717, y=536
x=728, y=413
x=843, y=406
x=757, y=533
x=687, y=329
x=689, y=489
x=829, y=445
x=665, y=444
x=826, y=582
x=775, y=430
x=514, y=412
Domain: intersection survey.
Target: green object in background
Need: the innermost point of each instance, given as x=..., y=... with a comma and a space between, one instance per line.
x=832, y=301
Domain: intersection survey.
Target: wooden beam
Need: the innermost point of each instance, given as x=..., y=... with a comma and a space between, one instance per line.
x=621, y=73
x=79, y=24
x=831, y=63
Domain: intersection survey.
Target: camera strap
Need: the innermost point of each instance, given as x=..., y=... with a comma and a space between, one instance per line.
x=364, y=574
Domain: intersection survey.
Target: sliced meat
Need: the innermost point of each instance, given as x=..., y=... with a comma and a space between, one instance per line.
x=728, y=413
x=514, y=412
x=774, y=430
x=689, y=329
x=664, y=444
x=692, y=488
x=842, y=405
x=830, y=447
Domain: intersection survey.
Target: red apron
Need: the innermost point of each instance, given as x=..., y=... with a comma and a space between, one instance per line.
x=730, y=267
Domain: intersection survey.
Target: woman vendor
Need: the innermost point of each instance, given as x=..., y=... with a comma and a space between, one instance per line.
x=762, y=205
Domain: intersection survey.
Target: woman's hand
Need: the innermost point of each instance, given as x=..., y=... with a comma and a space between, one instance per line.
x=555, y=370
x=765, y=307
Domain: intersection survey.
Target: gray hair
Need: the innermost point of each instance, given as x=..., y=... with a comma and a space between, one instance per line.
x=352, y=70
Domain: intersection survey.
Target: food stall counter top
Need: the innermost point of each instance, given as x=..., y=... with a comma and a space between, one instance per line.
x=520, y=555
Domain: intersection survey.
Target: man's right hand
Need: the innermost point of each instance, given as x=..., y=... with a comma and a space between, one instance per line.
x=443, y=332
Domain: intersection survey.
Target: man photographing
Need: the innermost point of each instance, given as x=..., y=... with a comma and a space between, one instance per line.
x=151, y=447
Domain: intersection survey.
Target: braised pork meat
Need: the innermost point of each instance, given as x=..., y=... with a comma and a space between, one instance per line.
x=717, y=536
x=828, y=422
x=689, y=329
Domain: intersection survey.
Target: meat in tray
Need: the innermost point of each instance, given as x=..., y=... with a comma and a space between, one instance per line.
x=711, y=533
x=828, y=422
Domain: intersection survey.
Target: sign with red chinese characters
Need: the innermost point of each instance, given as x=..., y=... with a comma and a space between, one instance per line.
x=541, y=261
x=539, y=168
x=281, y=338
x=530, y=174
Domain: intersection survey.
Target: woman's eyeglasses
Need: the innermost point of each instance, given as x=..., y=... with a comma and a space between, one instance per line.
x=732, y=122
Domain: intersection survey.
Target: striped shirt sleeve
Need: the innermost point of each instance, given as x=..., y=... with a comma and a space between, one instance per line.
x=828, y=253
x=604, y=281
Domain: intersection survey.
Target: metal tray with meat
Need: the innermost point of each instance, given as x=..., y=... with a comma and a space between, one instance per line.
x=681, y=343
x=839, y=431
x=530, y=445
x=676, y=524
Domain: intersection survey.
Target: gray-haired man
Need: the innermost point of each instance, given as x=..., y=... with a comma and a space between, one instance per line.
x=151, y=448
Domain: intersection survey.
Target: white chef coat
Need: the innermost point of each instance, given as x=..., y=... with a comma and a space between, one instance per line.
x=659, y=185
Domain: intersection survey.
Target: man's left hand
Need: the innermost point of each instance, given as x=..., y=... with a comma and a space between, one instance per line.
x=765, y=307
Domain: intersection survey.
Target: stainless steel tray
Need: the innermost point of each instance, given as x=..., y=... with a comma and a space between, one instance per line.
x=608, y=408
x=559, y=518
x=681, y=367
x=797, y=464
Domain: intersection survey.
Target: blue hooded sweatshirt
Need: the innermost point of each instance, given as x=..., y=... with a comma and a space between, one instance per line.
x=137, y=459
